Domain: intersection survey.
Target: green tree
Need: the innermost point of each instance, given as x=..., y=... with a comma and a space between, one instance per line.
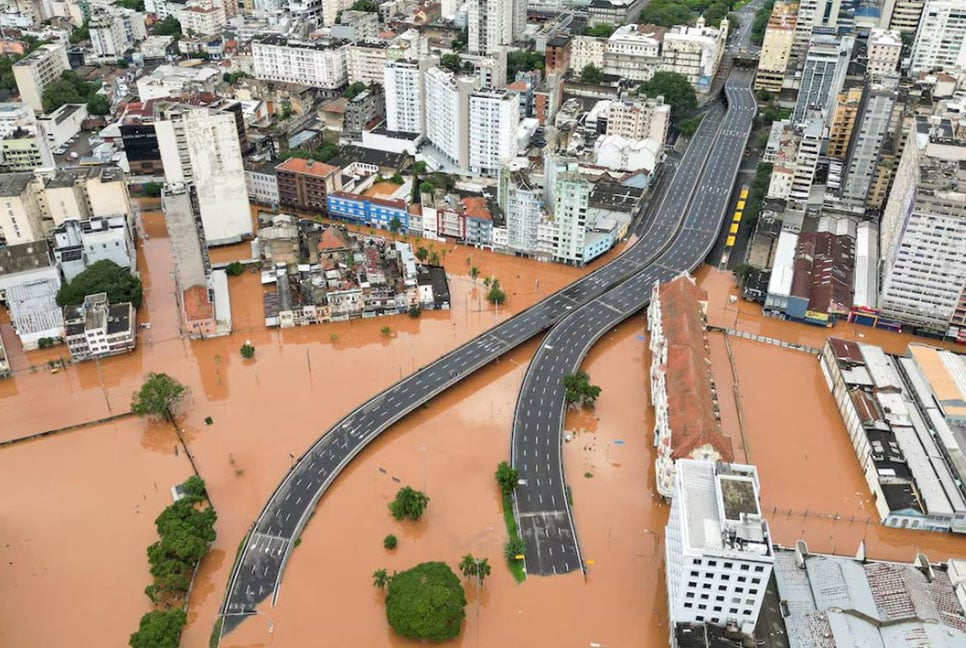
x=234, y=269
x=386, y=331
x=666, y=13
x=80, y=34
x=426, y=187
x=522, y=61
x=451, y=62
x=419, y=167
x=495, y=294
x=467, y=566
x=136, y=5
x=515, y=546
x=152, y=189
x=194, y=486
x=69, y=88
x=390, y=541
x=422, y=254
x=579, y=390
x=323, y=153
x=365, y=5
x=353, y=90
x=474, y=272
x=395, y=225
x=167, y=27
x=414, y=311
x=689, y=127
x=103, y=276
x=159, y=397
x=602, y=30
x=506, y=478
x=426, y=602
x=98, y=105
x=380, y=579
x=591, y=74
x=409, y=503
x=676, y=90
x=247, y=351
x=483, y=569
x=159, y=629
x=760, y=24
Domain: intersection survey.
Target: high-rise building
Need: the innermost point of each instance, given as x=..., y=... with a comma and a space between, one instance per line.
x=905, y=15
x=941, y=37
x=639, y=118
x=884, y=50
x=35, y=72
x=924, y=231
x=23, y=146
x=448, y=113
x=718, y=551
x=814, y=16
x=776, y=48
x=826, y=64
x=872, y=122
x=842, y=121
x=695, y=52
x=405, y=101
x=571, y=199
x=20, y=216
x=490, y=24
x=116, y=30
x=202, y=144
x=320, y=63
x=522, y=203
x=494, y=117
x=806, y=159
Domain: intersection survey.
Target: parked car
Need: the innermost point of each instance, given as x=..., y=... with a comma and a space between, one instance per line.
x=60, y=150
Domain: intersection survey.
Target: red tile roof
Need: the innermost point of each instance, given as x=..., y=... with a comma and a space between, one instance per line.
x=332, y=239
x=476, y=208
x=520, y=86
x=688, y=380
x=307, y=167
x=197, y=305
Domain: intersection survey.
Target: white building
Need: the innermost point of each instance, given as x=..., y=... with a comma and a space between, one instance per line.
x=97, y=329
x=621, y=153
x=365, y=62
x=941, y=38
x=587, y=50
x=82, y=193
x=448, y=113
x=806, y=160
x=633, y=52
x=169, y=80
x=494, y=117
x=205, y=18
x=78, y=244
x=718, y=553
x=695, y=52
x=262, y=184
x=63, y=124
x=570, y=202
x=116, y=30
x=490, y=24
x=923, y=234
x=35, y=72
x=23, y=146
x=639, y=118
x=403, y=83
x=201, y=145
x=320, y=63
x=20, y=215
x=522, y=204
x=884, y=48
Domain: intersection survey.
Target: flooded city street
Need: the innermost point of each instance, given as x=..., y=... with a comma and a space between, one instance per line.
x=75, y=531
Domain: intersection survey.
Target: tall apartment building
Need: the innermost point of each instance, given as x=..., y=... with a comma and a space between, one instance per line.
x=639, y=118
x=306, y=184
x=814, y=16
x=842, y=121
x=494, y=117
x=494, y=23
x=776, y=47
x=365, y=62
x=202, y=145
x=82, y=193
x=587, y=50
x=718, y=551
x=924, y=233
x=522, y=205
x=905, y=15
x=570, y=202
x=23, y=146
x=320, y=63
x=20, y=216
x=448, y=113
x=826, y=64
x=884, y=48
x=872, y=121
x=405, y=101
x=806, y=160
x=35, y=72
x=116, y=30
x=695, y=52
x=941, y=38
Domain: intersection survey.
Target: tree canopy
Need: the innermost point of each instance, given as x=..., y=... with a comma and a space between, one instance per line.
x=506, y=477
x=451, y=62
x=353, y=90
x=522, y=60
x=669, y=13
x=579, y=390
x=158, y=397
x=365, y=5
x=676, y=90
x=409, y=503
x=591, y=74
x=159, y=629
x=167, y=27
x=602, y=30
x=426, y=602
x=322, y=153
x=70, y=88
x=103, y=276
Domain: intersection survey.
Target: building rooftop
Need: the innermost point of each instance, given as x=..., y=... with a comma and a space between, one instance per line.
x=197, y=304
x=33, y=305
x=23, y=257
x=13, y=184
x=307, y=167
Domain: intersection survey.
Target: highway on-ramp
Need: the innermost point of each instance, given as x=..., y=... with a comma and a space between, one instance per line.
x=541, y=506
x=258, y=568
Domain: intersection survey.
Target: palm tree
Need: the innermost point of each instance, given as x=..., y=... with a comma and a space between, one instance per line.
x=482, y=569
x=468, y=566
x=380, y=579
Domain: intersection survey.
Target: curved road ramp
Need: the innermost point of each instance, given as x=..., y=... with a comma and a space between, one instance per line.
x=258, y=568
x=695, y=205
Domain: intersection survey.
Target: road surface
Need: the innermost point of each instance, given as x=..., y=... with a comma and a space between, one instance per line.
x=541, y=507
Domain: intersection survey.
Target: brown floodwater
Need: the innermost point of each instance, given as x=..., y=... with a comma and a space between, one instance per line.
x=76, y=524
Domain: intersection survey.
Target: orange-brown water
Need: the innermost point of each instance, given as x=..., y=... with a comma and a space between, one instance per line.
x=75, y=494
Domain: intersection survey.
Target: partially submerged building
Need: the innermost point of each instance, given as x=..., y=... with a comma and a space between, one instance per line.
x=98, y=329
x=686, y=419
